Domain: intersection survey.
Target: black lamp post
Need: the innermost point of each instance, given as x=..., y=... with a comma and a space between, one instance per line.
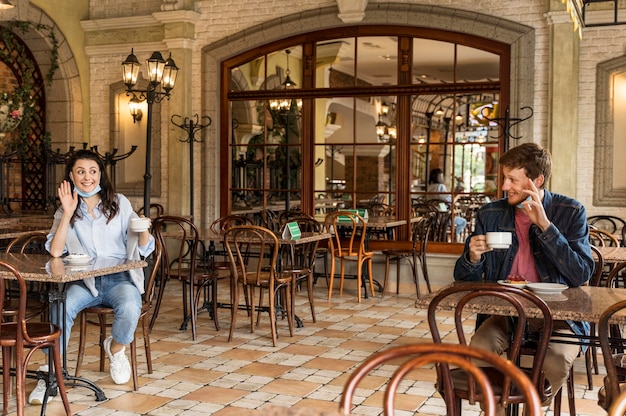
x=160, y=72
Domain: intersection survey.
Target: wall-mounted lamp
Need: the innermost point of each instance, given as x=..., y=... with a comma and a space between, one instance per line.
x=134, y=105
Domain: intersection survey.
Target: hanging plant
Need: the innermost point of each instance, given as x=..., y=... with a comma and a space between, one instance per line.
x=16, y=107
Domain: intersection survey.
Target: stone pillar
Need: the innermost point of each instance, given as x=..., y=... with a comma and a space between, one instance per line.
x=563, y=96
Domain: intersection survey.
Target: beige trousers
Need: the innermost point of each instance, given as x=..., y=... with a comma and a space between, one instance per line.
x=493, y=336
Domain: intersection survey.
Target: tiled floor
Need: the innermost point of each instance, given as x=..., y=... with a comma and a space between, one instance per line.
x=211, y=376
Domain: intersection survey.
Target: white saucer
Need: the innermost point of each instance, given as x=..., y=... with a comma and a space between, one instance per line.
x=547, y=288
x=77, y=268
x=77, y=260
x=505, y=283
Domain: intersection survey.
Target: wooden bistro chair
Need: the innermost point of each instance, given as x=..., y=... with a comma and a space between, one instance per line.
x=261, y=274
x=602, y=238
x=219, y=227
x=21, y=335
x=462, y=296
x=183, y=261
x=28, y=243
x=612, y=345
x=102, y=312
x=349, y=231
x=417, y=254
x=408, y=358
x=618, y=408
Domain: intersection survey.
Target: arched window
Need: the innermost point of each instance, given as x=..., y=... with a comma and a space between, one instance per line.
x=330, y=120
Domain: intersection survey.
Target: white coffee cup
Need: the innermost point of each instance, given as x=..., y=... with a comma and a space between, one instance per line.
x=499, y=240
x=139, y=224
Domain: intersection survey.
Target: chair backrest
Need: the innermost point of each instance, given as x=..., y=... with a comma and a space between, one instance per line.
x=596, y=279
x=605, y=330
x=291, y=216
x=29, y=243
x=618, y=407
x=239, y=240
x=156, y=210
x=157, y=270
x=220, y=225
x=378, y=209
x=616, y=277
x=304, y=254
x=181, y=254
x=410, y=357
x=349, y=230
x=20, y=313
x=421, y=230
x=269, y=219
x=609, y=223
x=464, y=294
x=602, y=238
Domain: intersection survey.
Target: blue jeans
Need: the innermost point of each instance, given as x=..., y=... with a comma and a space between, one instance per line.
x=115, y=291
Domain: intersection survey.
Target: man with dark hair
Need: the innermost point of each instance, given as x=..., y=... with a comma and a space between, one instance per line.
x=550, y=244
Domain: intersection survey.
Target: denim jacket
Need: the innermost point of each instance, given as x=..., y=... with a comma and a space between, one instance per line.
x=562, y=253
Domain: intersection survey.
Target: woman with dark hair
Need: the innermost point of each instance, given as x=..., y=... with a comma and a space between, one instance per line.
x=436, y=185
x=93, y=220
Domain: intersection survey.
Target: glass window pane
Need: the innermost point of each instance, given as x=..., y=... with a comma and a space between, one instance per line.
x=474, y=65
x=433, y=61
x=335, y=63
x=249, y=76
x=377, y=60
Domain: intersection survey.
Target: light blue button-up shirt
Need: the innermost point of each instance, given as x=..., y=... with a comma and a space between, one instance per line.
x=99, y=238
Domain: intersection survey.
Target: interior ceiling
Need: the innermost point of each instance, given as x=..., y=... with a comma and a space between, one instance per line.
x=433, y=61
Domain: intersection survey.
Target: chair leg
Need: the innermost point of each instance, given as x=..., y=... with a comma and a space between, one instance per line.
x=289, y=305
x=425, y=272
x=133, y=364
x=58, y=371
x=370, y=276
x=359, y=280
x=213, y=289
x=6, y=381
x=234, y=299
x=102, y=321
x=146, y=343
x=272, y=317
x=332, y=275
x=81, y=344
x=157, y=305
x=310, y=278
x=398, y=275
x=387, y=260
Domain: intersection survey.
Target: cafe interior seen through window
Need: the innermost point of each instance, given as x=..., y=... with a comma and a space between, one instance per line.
x=360, y=128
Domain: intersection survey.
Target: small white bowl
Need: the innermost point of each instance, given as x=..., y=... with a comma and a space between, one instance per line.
x=139, y=224
x=499, y=240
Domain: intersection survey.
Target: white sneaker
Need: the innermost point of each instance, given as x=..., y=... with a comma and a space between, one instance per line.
x=36, y=396
x=119, y=367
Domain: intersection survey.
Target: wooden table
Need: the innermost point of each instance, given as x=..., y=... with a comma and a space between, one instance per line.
x=44, y=268
x=585, y=303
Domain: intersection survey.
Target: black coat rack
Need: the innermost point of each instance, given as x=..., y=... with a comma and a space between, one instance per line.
x=191, y=126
